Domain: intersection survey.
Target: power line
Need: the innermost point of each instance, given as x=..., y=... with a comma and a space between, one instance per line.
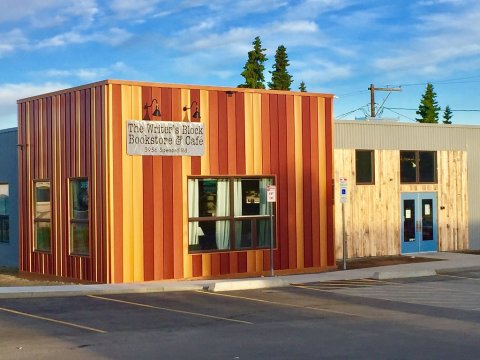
x=347, y=113
x=446, y=81
x=457, y=110
x=407, y=117
x=460, y=80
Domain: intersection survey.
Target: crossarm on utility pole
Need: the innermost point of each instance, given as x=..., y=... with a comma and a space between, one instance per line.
x=372, y=89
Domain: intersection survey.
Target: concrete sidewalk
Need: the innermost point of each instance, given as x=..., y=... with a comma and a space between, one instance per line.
x=450, y=262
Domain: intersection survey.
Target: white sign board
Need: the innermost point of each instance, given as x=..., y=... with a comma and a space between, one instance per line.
x=165, y=138
x=343, y=190
x=271, y=193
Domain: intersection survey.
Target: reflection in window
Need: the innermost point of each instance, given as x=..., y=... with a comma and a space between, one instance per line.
x=4, y=214
x=79, y=229
x=42, y=216
x=426, y=169
x=364, y=167
x=418, y=166
x=217, y=205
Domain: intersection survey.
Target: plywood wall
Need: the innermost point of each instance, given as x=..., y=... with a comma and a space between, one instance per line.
x=372, y=214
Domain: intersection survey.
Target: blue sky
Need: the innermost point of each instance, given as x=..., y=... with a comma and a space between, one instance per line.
x=335, y=46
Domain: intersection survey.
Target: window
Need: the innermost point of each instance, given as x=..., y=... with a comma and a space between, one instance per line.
x=418, y=166
x=42, y=216
x=365, y=167
x=228, y=214
x=79, y=229
x=4, y=214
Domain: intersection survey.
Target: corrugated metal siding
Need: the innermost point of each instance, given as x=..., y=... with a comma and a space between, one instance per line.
x=413, y=136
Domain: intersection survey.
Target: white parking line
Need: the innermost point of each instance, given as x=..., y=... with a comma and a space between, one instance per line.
x=171, y=310
x=283, y=304
x=53, y=320
x=459, y=277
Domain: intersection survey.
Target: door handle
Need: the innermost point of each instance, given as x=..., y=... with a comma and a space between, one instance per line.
x=419, y=225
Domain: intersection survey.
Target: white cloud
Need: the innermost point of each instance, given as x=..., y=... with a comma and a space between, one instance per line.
x=299, y=26
x=311, y=9
x=314, y=71
x=86, y=74
x=11, y=92
x=11, y=41
x=133, y=8
x=442, y=40
x=48, y=13
x=12, y=10
x=114, y=37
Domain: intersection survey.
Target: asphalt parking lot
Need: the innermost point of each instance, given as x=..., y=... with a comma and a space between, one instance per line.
x=424, y=318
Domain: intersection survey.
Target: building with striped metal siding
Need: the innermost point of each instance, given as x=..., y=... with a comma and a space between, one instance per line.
x=136, y=208
x=374, y=212
x=8, y=198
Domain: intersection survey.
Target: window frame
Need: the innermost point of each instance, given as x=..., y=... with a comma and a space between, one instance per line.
x=417, y=167
x=6, y=216
x=231, y=218
x=39, y=220
x=372, y=167
x=72, y=220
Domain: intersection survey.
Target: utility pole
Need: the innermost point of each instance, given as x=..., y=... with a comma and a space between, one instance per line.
x=372, y=89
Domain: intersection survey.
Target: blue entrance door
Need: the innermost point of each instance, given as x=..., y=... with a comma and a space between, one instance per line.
x=419, y=222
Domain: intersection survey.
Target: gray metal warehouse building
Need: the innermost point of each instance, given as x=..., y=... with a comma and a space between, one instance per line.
x=411, y=187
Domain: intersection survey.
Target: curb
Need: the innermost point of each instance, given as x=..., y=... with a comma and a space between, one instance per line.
x=248, y=284
x=458, y=269
x=385, y=275
x=85, y=290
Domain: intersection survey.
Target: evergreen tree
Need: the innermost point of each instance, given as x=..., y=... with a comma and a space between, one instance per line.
x=302, y=87
x=447, y=115
x=253, y=69
x=428, y=108
x=281, y=79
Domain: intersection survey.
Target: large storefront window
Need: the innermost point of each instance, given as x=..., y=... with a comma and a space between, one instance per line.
x=79, y=239
x=42, y=216
x=4, y=214
x=228, y=214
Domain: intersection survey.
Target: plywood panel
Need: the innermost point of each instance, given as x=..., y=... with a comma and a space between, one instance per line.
x=373, y=211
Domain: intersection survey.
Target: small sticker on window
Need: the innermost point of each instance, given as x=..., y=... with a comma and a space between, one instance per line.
x=408, y=214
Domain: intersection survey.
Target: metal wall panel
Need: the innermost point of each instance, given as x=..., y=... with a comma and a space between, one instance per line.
x=9, y=175
x=414, y=136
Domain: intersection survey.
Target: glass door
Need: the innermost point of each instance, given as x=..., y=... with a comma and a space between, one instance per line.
x=419, y=222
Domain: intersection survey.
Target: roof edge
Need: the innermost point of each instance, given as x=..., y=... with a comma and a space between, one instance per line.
x=175, y=86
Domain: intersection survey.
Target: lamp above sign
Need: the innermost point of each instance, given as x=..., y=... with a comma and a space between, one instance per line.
x=165, y=138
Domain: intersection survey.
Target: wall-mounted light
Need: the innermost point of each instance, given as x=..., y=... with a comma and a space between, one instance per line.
x=196, y=114
x=230, y=93
x=156, y=112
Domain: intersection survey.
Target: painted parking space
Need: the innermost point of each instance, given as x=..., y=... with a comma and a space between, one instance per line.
x=455, y=291
x=238, y=324
x=52, y=320
x=162, y=308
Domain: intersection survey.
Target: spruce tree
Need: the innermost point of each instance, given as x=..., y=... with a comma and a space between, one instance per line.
x=253, y=69
x=281, y=79
x=447, y=115
x=428, y=108
x=302, y=87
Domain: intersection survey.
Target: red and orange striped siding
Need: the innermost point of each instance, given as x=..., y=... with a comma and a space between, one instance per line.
x=138, y=204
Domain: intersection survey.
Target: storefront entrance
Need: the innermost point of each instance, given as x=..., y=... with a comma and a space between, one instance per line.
x=419, y=222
